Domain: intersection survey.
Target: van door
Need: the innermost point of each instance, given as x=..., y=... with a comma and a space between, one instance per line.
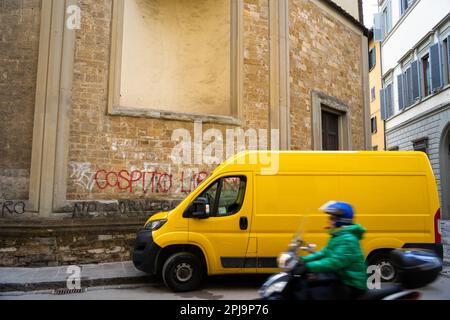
x=225, y=234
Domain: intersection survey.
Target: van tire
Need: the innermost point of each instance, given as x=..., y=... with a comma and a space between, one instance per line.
x=383, y=259
x=183, y=272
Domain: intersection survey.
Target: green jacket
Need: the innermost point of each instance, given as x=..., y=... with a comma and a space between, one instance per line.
x=343, y=255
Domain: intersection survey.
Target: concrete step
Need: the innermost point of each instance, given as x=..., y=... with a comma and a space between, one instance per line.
x=54, y=278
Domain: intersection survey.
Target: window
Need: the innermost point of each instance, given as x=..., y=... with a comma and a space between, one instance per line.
x=210, y=195
x=404, y=5
x=394, y=149
x=375, y=148
x=231, y=196
x=373, y=94
x=421, y=145
x=426, y=75
x=372, y=58
x=383, y=22
x=226, y=196
x=409, y=85
x=387, y=18
x=373, y=125
x=175, y=59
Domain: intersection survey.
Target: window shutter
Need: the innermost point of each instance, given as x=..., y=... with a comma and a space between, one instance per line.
x=389, y=16
x=448, y=54
x=409, y=83
x=401, y=100
x=383, y=104
x=378, y=27
x=389, y=106
x=415, y=74
x=436, y=67
x=405, y=89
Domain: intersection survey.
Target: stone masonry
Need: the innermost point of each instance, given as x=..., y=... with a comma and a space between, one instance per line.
x=325, y=56
x=430, y=127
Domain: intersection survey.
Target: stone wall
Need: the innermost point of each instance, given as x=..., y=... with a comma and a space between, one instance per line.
x=325, y=56
x=37, y=243
x=430, y=126
x=19, y=49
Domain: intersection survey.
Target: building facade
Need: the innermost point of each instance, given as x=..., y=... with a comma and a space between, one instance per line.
x=96, y=102
x=416, y=87
x=376, y=123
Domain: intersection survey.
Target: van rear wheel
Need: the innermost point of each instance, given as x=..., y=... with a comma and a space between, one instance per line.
x=183, y=272
x=383, y=261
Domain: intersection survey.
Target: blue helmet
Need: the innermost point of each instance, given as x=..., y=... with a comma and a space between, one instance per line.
x=343, y=212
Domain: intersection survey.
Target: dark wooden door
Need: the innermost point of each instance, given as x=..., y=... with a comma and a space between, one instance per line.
x=330, y=131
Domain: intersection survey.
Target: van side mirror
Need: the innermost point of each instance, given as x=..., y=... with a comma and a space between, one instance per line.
x=200, y=209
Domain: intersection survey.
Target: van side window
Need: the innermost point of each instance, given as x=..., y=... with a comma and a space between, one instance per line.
x=211, y=195
x=225, y=196
x=232, y=194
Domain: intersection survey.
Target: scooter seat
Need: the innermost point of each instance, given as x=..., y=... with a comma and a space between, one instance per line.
x=383, y=293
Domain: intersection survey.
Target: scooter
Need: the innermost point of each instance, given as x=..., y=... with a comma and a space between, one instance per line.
x=416, y=268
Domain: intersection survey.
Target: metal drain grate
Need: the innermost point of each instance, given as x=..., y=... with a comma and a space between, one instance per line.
x=62, y=292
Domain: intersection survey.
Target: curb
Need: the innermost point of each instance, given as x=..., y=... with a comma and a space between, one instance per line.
x=85, y=283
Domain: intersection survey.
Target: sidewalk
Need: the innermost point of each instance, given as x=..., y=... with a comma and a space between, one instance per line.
x=32, y=279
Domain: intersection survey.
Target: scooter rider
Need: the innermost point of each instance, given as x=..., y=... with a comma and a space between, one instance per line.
x=343, y=257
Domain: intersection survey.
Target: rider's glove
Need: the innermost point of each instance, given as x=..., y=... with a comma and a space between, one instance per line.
x=299, y=269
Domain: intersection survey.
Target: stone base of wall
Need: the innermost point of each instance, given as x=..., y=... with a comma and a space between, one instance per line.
x=445, y=227
x=39, y=243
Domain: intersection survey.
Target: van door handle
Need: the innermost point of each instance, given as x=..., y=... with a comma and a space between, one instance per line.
x=243, y=223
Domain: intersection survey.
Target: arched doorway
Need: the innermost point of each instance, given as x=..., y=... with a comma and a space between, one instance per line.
x=445, y=172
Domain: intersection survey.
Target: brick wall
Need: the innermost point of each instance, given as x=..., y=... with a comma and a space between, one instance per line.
x=111, y=143
x=325, y=55
x=19, y=48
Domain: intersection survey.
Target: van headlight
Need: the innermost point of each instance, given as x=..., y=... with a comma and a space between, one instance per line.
x=155, y=225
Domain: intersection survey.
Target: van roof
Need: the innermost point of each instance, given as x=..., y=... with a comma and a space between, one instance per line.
x=335, y=161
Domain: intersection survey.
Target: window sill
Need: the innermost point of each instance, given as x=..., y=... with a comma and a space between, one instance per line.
x=176, y=116
x=420, y=101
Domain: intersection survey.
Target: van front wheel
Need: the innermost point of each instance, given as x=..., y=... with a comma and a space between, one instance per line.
x=183, y=272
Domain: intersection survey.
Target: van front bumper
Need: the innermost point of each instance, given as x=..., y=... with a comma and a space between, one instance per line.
x=146, y=252
x=437, y=248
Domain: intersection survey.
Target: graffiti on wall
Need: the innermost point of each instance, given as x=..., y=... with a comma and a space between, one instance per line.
x=121, y=207
x=81, y=174
x=9, y=207
x=146, y=181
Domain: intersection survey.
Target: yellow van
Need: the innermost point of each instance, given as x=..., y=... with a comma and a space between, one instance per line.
x=240, y=219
